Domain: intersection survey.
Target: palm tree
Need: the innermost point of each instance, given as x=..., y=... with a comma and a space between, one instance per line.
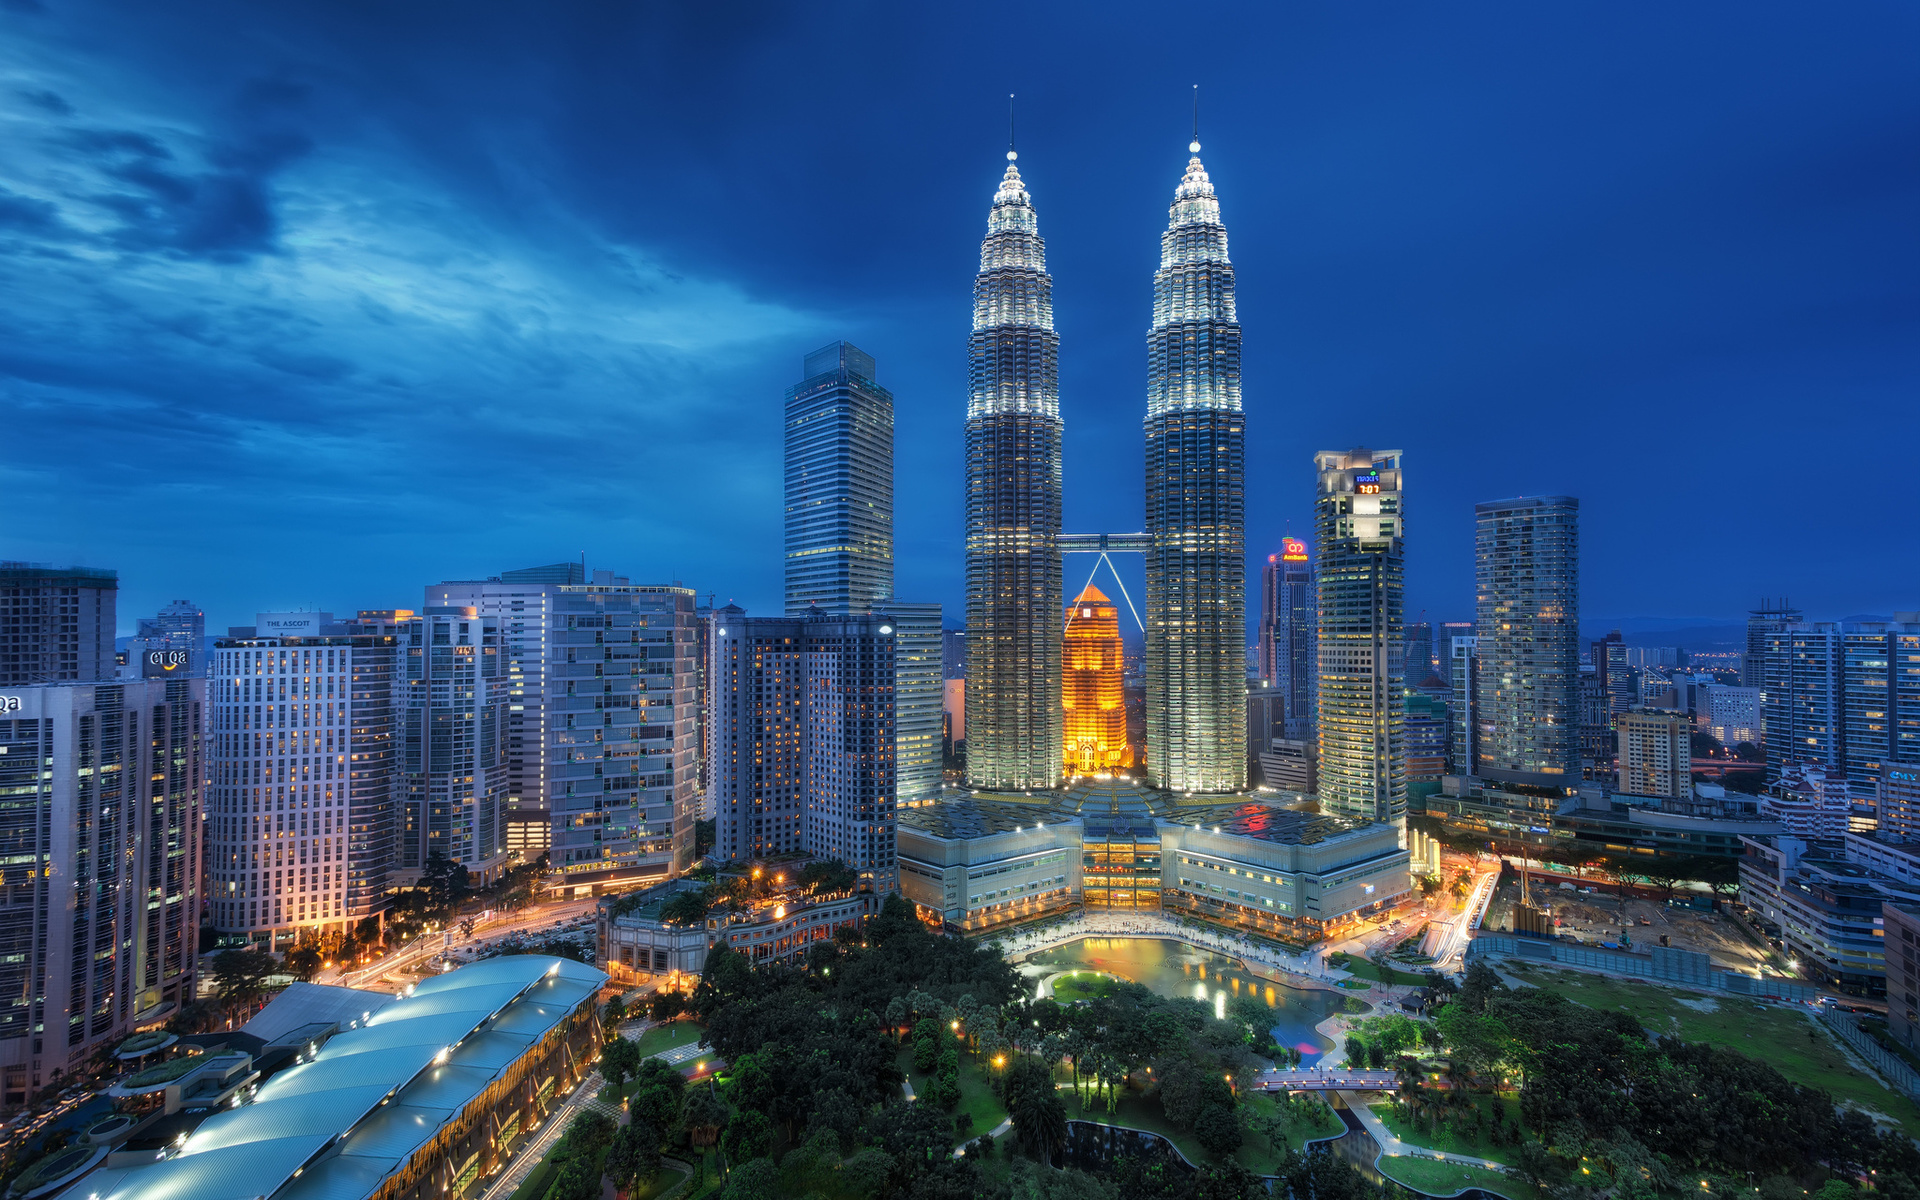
x=1040, y=1125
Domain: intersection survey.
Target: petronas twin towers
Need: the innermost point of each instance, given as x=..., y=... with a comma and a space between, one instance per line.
x=1195, y=539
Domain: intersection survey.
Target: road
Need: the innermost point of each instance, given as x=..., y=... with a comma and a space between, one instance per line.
x=533, y=919
x=1454, y=943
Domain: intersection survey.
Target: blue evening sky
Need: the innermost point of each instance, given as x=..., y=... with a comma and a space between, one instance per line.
x=309, y=304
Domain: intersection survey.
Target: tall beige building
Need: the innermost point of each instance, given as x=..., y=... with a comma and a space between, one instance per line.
x=1656, y=753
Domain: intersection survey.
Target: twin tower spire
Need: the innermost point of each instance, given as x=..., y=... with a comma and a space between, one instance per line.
x=1195, y=543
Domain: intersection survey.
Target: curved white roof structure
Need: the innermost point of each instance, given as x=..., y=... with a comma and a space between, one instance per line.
x=335, y=1127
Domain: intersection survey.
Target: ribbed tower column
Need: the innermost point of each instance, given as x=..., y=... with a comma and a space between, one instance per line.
x=1013, y=506
x=1196, y=506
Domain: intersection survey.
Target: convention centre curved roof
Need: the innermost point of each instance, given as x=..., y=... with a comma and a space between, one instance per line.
x=334, y=1127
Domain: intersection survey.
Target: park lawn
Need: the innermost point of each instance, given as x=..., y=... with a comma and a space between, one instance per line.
x=976, y=1094
x=1447, y=1137
x=1087, y=986
x=1774, y=1034
x=1297, y=1131
x=670, y=1036
x=1360, y=968
x=1438, y=1178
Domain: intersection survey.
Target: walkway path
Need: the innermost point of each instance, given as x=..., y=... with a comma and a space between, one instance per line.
x=586, y=1095
x=1391, y=1145
x=1327, y=1079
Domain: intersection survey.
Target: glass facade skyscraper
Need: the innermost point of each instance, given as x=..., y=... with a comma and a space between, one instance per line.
x=1014, y=431
x=1527, y=605
x=1196, y=505
x=1287, y=641
x=839, y=492
x=1359, y=529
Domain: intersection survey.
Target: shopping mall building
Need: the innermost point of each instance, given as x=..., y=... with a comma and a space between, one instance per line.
x=984, y=859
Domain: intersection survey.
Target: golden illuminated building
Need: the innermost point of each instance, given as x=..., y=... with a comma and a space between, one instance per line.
x=1091, y=696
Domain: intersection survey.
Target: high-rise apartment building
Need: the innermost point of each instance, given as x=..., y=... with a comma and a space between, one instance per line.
x=1359, y=531
x=1801, y=696
x=168, y=643
x=1196, y=504
x=1656, y=753
x=1426, y=724
x=953, y=654
x=839, y=486
x=101, y=881
x=56, y=623
x=1527, y=598
x=1091, y=694
x=546, y=659
x=1287, y=642
x=1014, y=435
x=452, y=696
x=1464, y=733
x=1770, y=618
x=304, y=750
x=803, y=739
x=1880, y=679
x=1733, y=714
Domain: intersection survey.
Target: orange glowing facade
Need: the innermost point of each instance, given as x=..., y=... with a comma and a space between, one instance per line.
x=1091, y=693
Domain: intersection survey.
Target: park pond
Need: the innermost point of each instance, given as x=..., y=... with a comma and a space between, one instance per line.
x=1174, y=968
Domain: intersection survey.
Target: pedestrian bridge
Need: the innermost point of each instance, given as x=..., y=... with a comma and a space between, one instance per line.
x=1327, y=1079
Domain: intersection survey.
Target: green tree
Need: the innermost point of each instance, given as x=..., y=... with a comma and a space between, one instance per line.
x=634, y=1156
x=749, y=1135
x=240, y=976
x=754, y=1179
x=657, y=1088
x=303, y=962
x=619, y=1059
x=1040, y=1124
x=1218, y=1130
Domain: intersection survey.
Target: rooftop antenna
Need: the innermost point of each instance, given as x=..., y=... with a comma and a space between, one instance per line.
x=1011, y=155
x=1194, y=146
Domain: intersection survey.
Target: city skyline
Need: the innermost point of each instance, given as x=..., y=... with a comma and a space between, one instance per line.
x=1601, y=275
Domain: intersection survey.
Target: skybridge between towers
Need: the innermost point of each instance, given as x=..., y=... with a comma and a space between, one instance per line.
x=1104, y=544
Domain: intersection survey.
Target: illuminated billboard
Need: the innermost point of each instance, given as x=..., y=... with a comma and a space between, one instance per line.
x=1293, y=550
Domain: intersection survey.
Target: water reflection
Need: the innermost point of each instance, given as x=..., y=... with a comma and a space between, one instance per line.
x=1174, y=968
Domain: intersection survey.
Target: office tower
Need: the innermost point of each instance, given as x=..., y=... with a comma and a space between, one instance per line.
x=702, y=708
x=1617, y=677
x=1287, y=646
x=545, y=615
x=839, y=464
x=1801, y=695
x=1418, y=653
x=919, y=695
x=1880, y=681
x=1266, y=720
x=1014, y=435
x=102, y=882
x=56, y=624
x=304, y=748
x=1290, y=764
x=953, y=654
x=1359, y=530
x=1656, y=753
x=1527, y=600
x=1464, y=734
x=803, y=739
x=1426, y=720
x=1596, y=724
x=1770, y=618
x=1092, y=699
x=168, y=643
x=1443, y=641
x=1196, y=505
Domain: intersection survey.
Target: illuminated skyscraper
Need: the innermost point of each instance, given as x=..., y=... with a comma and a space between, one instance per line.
x=1359, y=526
x=839, y=483
x=1287, y=643
x=1196, y=505
x=1092, y=696
x=1527, y=588
x=1013, y=506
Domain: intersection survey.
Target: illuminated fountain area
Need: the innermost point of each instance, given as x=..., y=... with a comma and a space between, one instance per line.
x=1174, y=968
